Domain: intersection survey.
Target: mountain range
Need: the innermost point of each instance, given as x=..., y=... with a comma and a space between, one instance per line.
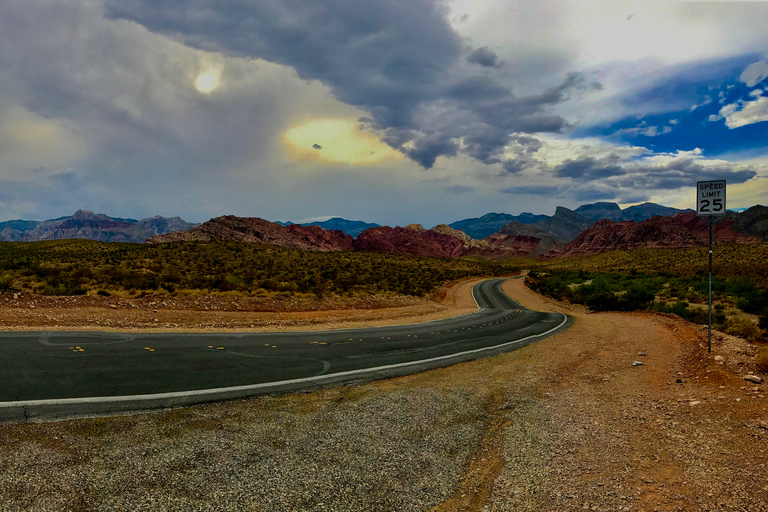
x=587, y=230
x=89, y=225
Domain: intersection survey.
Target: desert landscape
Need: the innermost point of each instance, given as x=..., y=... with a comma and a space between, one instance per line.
x=568, y=423
x=406, y=255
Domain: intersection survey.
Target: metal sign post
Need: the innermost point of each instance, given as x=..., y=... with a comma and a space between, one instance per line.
x=710, y=201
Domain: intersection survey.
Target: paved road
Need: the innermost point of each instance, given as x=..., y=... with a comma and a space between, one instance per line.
x=47, y=375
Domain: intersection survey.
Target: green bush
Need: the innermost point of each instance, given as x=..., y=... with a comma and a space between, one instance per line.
x=743, y=328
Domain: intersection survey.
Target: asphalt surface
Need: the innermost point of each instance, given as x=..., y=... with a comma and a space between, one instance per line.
x=51, y=375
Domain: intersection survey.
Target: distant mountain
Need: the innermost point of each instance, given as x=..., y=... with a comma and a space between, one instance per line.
x=645, y=211
x=753, y=222
x=612, y=211
x=490, y=223
x=565, y=224
x=350, y=227
x=92, y=226
x=599, y=211
x=568, y=223
x=13, y=230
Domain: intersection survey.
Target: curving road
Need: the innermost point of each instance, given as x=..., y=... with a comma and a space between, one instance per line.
x=51, y=375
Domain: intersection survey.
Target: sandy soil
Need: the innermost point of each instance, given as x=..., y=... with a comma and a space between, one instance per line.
x=567, y=423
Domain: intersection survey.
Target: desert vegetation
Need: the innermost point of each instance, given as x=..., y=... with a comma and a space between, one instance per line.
x=684, y=296
x=731, y=261
x=76, y=267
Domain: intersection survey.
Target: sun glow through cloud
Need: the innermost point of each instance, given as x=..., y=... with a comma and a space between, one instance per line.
x=208, y=81
x=336, y=141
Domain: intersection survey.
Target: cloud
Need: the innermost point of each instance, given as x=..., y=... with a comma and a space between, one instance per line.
x=754, y=73
x=745, y=112
x=485, y=57
x=588, y=169
x=536, y=190
x=706, y=101
x=399, y=60
x=644, y=129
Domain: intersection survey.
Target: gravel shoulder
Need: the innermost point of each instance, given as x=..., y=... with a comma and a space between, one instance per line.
x=566, y=423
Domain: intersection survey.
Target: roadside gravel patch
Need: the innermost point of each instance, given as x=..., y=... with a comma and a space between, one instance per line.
x=346, y=449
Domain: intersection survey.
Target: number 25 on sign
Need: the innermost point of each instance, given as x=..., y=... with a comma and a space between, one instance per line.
x=710, y=197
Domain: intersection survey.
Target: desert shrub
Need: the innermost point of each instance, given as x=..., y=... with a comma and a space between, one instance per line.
x=103, y=293
x=763, y=322
x=7, y=283
x=761, y=359
x=64, y=289
x=743, y=328
x=699, y=316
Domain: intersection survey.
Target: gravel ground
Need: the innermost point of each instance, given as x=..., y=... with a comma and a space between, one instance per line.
x=564, y=424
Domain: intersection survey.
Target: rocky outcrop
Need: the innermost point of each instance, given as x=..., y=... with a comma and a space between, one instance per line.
x=522, y=237
x=398, y=240
x=256, y=230
x=722, y=228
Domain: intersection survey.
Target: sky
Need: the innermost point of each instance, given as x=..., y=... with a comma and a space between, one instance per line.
x=386, y=111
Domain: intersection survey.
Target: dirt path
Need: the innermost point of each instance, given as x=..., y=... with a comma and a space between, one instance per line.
x=564, y=424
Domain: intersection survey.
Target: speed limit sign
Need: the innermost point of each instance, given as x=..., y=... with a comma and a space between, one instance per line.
x=710, y=197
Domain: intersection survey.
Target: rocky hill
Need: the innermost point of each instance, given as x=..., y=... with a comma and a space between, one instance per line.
x=92, y=226
x=408, y=240
x=252, y=229
x=678, y=231
x=526, y=239
x=753, y=222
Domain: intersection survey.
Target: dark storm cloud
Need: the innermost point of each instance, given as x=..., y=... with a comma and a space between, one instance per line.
x=654, y=173
x=399, y=60
x=535, y=190
x=588, y=169
x=684, y=172
x=485, y=57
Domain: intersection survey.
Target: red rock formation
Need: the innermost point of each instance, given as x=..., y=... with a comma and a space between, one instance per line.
x=680, y=230
x=722, y=231
x=406, y=240
x=257, y=230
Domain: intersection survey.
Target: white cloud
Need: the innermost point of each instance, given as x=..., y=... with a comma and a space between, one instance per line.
x=706, y=101
x=745, y=112
x=643, y=129
x=754, y=73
